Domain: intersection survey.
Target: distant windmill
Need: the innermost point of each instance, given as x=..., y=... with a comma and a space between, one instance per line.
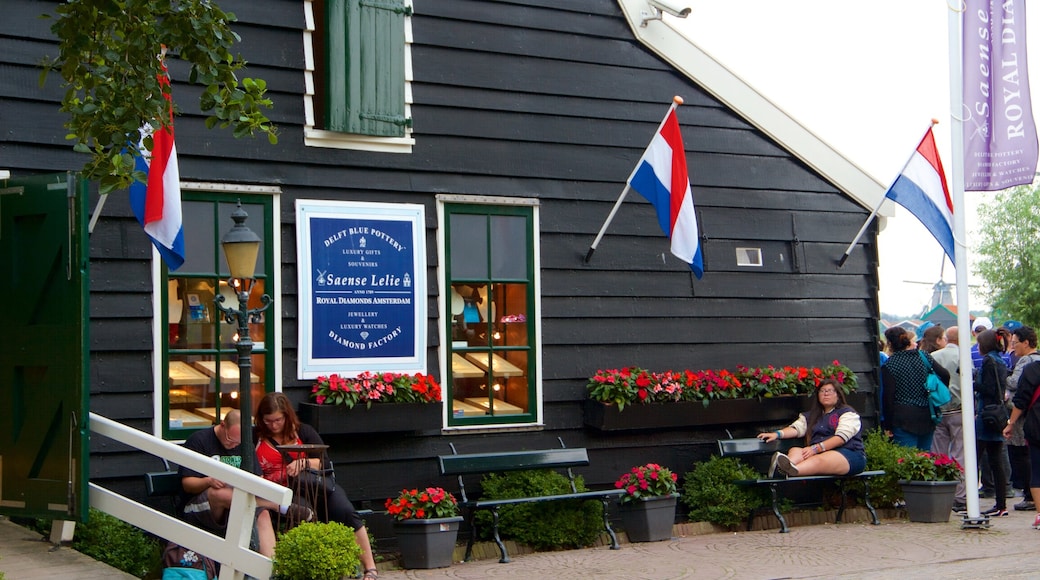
x=942, y=293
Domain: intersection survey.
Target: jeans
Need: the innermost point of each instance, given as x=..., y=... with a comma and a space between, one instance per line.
x=908, y=439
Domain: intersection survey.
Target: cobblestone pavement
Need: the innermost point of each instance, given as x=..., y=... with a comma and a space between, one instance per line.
x=896, y=549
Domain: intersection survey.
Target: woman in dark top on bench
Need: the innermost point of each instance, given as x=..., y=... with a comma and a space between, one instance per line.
x=834, y=445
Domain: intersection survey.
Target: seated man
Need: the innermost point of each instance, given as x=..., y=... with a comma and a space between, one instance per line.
x=208, y=499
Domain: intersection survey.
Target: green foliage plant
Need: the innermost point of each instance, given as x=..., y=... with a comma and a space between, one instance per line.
x=107, y=59
x=884, y=454
x=317, y=551
x=545, y=525
x=1008, y=255
x=711, y=495
x=110, y=540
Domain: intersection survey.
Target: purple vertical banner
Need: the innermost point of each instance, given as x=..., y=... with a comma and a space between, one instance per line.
x=1000, y=144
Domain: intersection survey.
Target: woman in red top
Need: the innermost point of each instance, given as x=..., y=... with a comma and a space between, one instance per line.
x=277, y=424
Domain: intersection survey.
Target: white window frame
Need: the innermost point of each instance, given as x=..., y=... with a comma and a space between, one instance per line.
x=316, y=137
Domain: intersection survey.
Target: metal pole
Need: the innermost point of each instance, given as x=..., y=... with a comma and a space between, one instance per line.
x=245, y=362
x=245, y=374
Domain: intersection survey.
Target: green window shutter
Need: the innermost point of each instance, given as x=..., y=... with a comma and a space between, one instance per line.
x=365, y=67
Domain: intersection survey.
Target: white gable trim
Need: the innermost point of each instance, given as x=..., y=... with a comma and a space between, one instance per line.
x=721, y=83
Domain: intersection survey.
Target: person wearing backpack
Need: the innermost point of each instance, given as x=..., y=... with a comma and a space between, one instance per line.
x=905, y=404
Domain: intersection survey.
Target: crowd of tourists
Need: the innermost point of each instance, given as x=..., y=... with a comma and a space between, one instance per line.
x=1006, y=384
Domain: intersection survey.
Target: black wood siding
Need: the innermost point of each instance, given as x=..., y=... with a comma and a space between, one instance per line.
x=546, y=99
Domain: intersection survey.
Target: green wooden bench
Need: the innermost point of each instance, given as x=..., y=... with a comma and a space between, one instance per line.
x=752, y=448
x=482, y=463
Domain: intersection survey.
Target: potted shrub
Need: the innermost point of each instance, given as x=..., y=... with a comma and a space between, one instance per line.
x=317, y=551
x=426, y=523
x=929, y=482
x=648, y=506
x=372, y=403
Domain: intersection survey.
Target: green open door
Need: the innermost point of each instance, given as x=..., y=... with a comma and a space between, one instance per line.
x=44, y=434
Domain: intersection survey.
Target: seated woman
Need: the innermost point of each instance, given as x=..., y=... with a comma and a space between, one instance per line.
x=277, y=424
x=834, y=445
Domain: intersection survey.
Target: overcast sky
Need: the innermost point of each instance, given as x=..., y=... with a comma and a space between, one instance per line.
x=866, y=77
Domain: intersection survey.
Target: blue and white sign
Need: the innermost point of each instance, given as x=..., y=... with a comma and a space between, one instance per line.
x=362, y=283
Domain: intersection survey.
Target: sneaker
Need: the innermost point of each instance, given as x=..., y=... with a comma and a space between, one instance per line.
x=772, y=465
x=1025, y=505
x=995, y=512
x=783, y=462
x=1036, y=522
x=960, y=509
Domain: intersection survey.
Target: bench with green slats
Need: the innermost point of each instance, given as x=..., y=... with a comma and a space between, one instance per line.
x=482, y=463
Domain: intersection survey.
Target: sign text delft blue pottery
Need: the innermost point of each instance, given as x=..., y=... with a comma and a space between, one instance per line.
x=364, y=298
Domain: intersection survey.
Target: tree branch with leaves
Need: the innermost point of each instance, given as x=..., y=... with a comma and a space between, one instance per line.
x=1009, y=254
x=109, y=61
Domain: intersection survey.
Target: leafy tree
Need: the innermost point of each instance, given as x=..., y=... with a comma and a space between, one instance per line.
x=108, y=60
x=1009, y=252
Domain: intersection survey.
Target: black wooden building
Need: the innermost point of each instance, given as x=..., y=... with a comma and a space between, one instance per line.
x=528, y=109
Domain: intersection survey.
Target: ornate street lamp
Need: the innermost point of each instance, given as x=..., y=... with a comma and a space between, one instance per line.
x=241, y=247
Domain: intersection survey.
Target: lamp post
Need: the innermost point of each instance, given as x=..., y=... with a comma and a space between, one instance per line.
x=241, y=247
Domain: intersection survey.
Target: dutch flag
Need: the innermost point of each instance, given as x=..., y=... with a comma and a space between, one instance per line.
x=661, y=177
x=921, y=189
x=157, y=205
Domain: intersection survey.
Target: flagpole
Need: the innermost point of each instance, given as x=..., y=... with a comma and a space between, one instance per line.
x=870, y=218
x=606, y=224
x=676, y=101
x=960, y=263
x=859, y=235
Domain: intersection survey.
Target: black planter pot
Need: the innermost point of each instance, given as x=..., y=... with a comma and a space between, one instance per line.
x=928, y=501
x=379, y=418
x=693, y=413
x=427, y=543
x=649, y=519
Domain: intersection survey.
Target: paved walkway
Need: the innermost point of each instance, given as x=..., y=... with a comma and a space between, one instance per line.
x=26, y=555
x=894, y=550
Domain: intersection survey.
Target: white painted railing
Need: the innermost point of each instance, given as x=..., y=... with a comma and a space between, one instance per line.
x=232, y=551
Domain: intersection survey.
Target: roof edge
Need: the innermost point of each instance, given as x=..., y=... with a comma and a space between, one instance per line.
x=726, y=86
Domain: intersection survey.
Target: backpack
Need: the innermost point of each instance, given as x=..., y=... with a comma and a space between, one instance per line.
x=180, y=563
x=938, y=392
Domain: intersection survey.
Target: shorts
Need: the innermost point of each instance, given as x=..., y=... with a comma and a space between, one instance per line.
x=198, y=513
x=857, y=460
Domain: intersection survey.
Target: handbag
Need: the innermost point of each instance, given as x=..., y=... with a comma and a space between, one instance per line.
x=938, y=392
x=322, y=480
x=995, y=415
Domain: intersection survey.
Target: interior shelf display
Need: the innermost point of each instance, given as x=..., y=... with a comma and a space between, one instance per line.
x=489, y=347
